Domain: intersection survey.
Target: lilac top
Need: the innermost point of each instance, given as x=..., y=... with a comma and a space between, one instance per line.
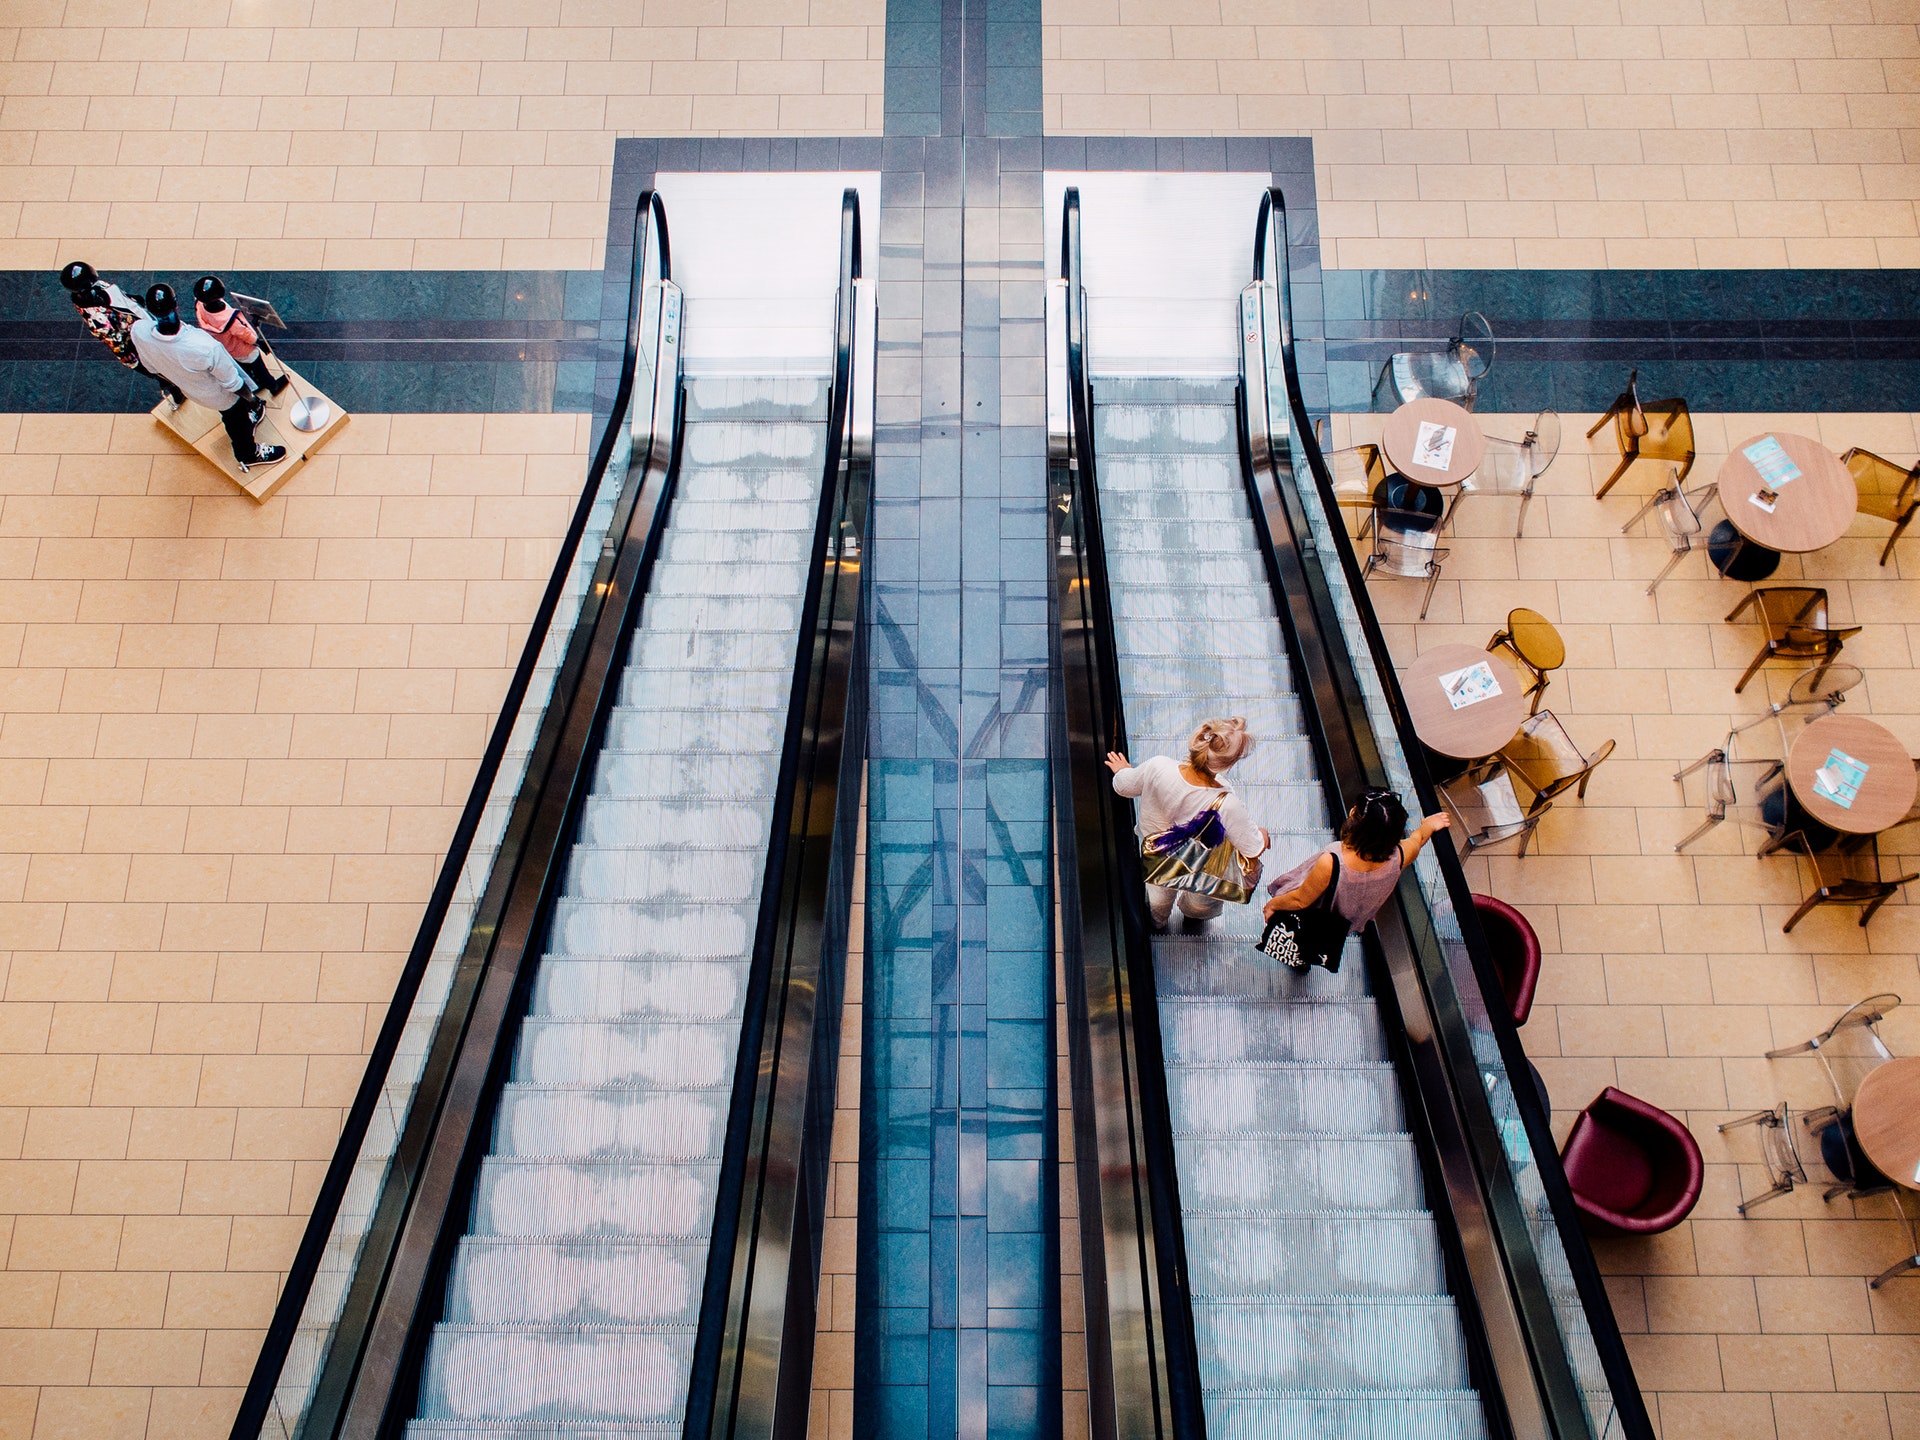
x=1361, y=892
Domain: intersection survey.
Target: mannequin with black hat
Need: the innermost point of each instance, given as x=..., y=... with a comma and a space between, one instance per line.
x=110, y=317
x=227, y=324
x=202, y=368
x=80, y=277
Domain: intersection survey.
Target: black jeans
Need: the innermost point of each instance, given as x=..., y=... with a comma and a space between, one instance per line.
x=238, y=419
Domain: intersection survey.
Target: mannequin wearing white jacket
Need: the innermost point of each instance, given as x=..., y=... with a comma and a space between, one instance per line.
x=201, y=367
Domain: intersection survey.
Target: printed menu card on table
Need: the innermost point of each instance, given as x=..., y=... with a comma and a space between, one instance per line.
x=1470, y=686
x=1840, y=778
x=1433, y=445
x=1776, y=467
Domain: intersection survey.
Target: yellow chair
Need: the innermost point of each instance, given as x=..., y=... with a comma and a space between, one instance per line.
x=1647, y=430
x=1895, y=495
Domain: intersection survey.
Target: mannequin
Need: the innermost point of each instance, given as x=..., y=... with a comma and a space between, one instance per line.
x=200, y=366
x=235, y=332
x=80, y=277
x=110, y=316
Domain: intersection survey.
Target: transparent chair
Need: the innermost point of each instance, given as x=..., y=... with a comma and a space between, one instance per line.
x=1678, y=512
x=1886, y=491
x=1451, y=374
x=1911, y=1262
x=1723, y=791
x=1855, y=1176
x=1487, y=810
x=1405, y=544
x=1510, y=467
x=1795, y=617
x=1777, y=1153
x=1647, y=430
x=1549, y=760
x=1531, y=639
x=1816, y=691
x=1850, y=1046
x=1843, y=877
x=1357, y=471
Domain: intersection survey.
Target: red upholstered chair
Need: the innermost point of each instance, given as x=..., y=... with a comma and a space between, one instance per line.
x=1516, y=953
x=1633, y=1168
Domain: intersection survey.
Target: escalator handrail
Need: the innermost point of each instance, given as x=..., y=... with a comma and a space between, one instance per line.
x=1172, y=1361
x=649, y=221
x=734, y=1391
x=1602, y=1323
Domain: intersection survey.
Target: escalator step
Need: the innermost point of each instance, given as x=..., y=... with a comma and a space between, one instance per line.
x=1337, y=1343
x=665, y=873
x=634, y=1201
x=1315, y=1254
x=1218, y=1031
x=756, y=397
x=514, y=1372
x=680, y=776
x=674, y=730
x=1247, y=1099
x=556, y=1122
x=1280, y=1176
x=673, y=1056
x=754, y=444
x=1120, y=429
x=576, y=1283
x=662, y=928
x=740, y=485
x=1197, y=475
x=604, y=987
x=1325, y=1415
x=688, y=824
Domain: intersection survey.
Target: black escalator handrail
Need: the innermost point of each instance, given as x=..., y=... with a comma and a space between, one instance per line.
x=753, y=1351
x=1171, y=1361
x=649, y=219
x=1604, y=1327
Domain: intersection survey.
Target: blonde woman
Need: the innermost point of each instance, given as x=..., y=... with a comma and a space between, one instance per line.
x=1174, y=793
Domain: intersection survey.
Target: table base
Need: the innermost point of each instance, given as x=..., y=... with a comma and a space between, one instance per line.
x=1737, y=557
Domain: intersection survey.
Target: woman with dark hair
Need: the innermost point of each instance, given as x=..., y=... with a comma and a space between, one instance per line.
x=1371, y=854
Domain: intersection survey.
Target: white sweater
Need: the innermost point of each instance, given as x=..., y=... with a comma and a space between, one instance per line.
x=193, y=360
x=1167, y=799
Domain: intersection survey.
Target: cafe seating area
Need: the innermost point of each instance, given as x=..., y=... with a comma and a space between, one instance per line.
x=1700, y=792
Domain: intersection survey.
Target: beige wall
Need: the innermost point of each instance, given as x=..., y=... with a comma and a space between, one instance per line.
x=1635, y=133
x=235, y=742
x=386, y=133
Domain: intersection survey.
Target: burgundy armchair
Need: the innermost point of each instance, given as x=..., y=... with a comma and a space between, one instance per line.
x=1634, y=1169
x=1516, y=953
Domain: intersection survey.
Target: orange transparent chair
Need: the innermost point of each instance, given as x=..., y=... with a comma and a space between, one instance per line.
x=1886, y=491
x=1647, y=430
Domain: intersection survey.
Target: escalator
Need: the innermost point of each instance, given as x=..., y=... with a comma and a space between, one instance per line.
x=1319, y=1207
x=582, y=1189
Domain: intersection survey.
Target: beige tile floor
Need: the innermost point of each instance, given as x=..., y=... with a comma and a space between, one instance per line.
x=1554, y=133
x=234, y=741
x=458, y=134
x=831, y=1415
x=1668, y=975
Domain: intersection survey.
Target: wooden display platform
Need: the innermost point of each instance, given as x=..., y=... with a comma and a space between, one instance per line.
x=201, y=428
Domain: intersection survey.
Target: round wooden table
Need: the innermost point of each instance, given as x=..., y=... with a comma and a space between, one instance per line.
x=1473, y=730
x=1886, y=795
x=1402, y=439
x=1886, y=1119
x=1813, y=510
